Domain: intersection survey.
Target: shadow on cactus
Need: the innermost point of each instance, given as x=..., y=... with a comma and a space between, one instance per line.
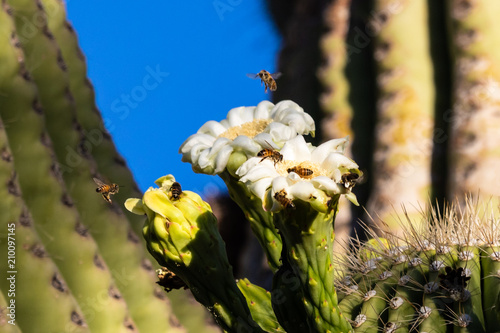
x=440, y=278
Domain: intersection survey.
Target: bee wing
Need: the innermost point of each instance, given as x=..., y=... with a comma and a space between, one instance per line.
x=252, y=75
x=98, y=182
x=276, y=75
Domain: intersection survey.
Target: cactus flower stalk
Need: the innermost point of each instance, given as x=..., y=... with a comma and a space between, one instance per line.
x=181, y=234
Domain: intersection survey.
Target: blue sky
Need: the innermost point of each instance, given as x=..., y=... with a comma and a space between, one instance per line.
x=162, y=69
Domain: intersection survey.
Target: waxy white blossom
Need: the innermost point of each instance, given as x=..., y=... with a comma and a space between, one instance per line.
x=265, y=178
x=246, y=129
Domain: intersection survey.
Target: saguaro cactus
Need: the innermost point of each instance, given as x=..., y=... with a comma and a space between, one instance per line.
x=441, y=276
x=85, y=277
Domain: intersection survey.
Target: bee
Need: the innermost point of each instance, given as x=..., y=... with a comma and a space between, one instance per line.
x=349, y=179
x=176, y=190
x=168, y=280
x=283, y=200
x=272, y=154
x=105, y=189
x=302, y=172
x=267, y=78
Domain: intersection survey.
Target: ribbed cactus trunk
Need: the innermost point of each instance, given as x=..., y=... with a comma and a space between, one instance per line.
x=405, y=109
x=75, y=252
x=475, y=122
x=87, y=247
x=25, y=262
x=335, y=100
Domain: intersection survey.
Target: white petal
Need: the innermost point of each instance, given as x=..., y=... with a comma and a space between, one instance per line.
x=263, y=110
x=236, y=116
x=296, y=149
x=302, y=190
x=333, y=146
x=248, y=165
x=212, y=128
x=260, y=188
x=335, y=161
x=195, y=139
x=265, y=140
x=280, y=183
x=290, y=113
x=246, y=144
x=280, y=132
x=222, y=157
x=264, y=169
x=326, y=184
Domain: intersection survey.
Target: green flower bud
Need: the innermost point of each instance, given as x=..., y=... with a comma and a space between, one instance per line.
x=181, y=233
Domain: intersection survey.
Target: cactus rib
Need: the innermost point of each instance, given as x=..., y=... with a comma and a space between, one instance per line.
x=74, y=252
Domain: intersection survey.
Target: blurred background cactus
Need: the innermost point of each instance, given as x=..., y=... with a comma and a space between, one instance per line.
x=414, y=83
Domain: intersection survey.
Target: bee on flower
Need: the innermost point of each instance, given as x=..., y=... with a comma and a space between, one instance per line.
x=306, y=173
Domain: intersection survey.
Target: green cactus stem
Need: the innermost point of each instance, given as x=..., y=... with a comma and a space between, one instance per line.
x=75, y=252
x=261, y=222
x=440, y=278
x=259, y=303
x=308, y=237
x=403, y=147
x=473, y=149
x=52, y=307
x=181, y=233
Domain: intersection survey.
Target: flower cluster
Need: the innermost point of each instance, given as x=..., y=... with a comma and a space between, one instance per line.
x=264, y=148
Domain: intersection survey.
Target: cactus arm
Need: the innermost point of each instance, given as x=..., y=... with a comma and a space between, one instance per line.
x=402, y=156
x=473, y=306
x=287, y=301
x=473, y=152
x=261, y=222
x=259, y=303
x=490, y=262
x=74, y=252
x=52, y=307
x=308, y=241
x=109, y=227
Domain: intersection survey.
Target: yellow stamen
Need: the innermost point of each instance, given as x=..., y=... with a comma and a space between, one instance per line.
x=250, y=129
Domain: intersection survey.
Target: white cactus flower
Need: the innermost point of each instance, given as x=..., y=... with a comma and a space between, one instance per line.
x=246, y=129
x=327, y=170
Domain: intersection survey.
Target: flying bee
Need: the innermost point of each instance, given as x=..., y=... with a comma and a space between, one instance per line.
x=105, y=189
x=302, y=172
x=283, y=200
x=272, y=154
x=267, y=78
x=349, y=179
x=176, y=190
